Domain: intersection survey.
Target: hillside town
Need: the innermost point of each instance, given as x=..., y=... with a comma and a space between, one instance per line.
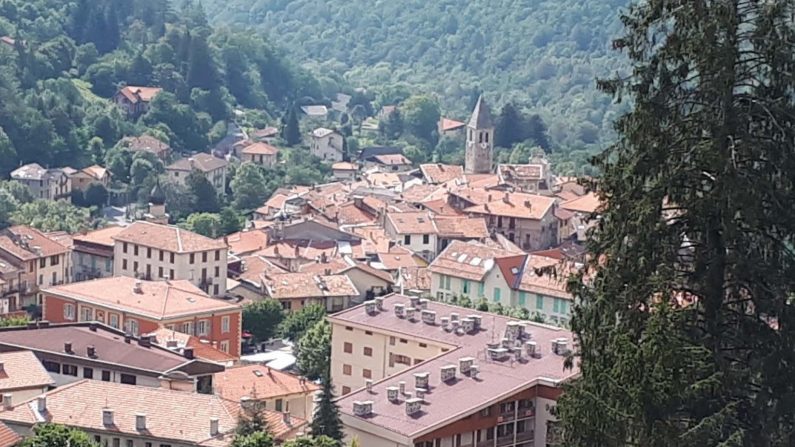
x=442, y=288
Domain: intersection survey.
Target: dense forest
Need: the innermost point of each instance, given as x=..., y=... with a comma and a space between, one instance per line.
x=543, y=54
x=63, y=59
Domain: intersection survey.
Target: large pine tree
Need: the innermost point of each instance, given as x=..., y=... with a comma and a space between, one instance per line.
x=326, y=421
x=686, y=323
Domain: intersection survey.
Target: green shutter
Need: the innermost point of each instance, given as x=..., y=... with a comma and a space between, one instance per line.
x=447, y=282
x=539, y=302
x=465, y=287
x=441, y=281
x=481, y=289
x=497, y=293
x=522, y=298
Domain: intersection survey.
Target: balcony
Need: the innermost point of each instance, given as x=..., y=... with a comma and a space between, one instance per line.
x=528, y=435
x=507, y=416
x=505, y=440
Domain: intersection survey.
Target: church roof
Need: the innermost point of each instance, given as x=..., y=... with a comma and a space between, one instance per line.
x=481, y=116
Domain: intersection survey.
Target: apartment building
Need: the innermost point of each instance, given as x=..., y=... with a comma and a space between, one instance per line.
x=92, y=254
x=427, y=234
x=141, y=307
x=422, y=373
x=275, y=390
x=42, y=261
x=88, y=350
x=262, y=154
x=213, y=168
x=46, y=184
x=532, y=282
x=83, y=178
x=154, y=251
x=527, y=220
x=118, y=415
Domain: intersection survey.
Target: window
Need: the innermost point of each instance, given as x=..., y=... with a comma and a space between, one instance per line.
x=441, y=281
x=53, y=367
x=128, y=379
x=187, y=327
x=346, y=369
x=88, y=373
x=447, y=283
x=403, y=340
x=54, y=260
x=135, y=266
x=225, y=324
x=418, y=361
x=423, y=345
x=160, y=272
x=32, y=265
x=489, y=433
x=465, y=287
x=124, y=264
x=368, y=333
x=132, y=327
x=54, y=277
x=69, y=311
x=407, y=239
x=114, y=321
x=347, y=347
x=204, y=256
x=171, y=258
x=367, y=374
x=124, y=247
x=348, y=328
x=279, y=404
x=346, y=390
x=108, y=264
x=171, y=274
x=559, y=306
x=486, y=412
x=505, y=430
x=217, y=271
x=161, y=255
x=217, y=255
x=224, y=346
x=368, y=351
x=201, y=327
x=507, y=407
x=149, y=252
x=522, y=298
x=539, y=302
x=97, y=439
x=204, y=274
x=497, y=294
x=135, y=250
x=400, y=359
x=215, y=289
x=392, y=341
x=426, y=239
x=116, y=442
x=43, y=262
x=129, y=443
x=106, y=376
x=481, y=289
x=70, y=370
x=192, y=258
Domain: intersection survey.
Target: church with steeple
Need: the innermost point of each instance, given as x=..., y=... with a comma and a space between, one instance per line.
x=480, y=140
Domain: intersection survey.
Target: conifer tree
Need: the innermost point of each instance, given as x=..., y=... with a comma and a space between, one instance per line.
x=685, y=327
x=292, y=130
x=326, y=421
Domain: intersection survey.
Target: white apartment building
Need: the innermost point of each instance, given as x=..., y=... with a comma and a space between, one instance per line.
x=326, y=144
x=414, y=372
x=153, y=251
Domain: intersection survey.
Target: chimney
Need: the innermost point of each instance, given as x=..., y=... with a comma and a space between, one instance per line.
x=415, y=301
x=188, y=353
x=145, y=341
x=527, y=204
x=213, y=426
x=489, y=199
x=392, y=393
x=379, y=303
x=92, y=326
x=286, y=418
x=465, y=364
x=140, y=421
x=107, y=417
x=8, y=401
x=276, y=250
x=420, y=393
x=91, y=351
x=474, y=370
x=410, y=311
x=137, y=286
x=67, y=347
x=368, y=384
x=400, y=310
x=127, y=338
x=402, y=387
x=297, y=251
x=506, y=198
x=41, y=403
x=423, y=303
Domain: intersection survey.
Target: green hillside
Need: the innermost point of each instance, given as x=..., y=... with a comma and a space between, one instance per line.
x=542, y=53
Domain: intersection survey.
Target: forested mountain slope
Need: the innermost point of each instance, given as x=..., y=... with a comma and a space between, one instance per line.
x=544, y=53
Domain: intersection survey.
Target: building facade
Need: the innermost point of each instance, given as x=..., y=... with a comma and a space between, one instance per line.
x=327, y=145
x=153, y=251
x=213, y=168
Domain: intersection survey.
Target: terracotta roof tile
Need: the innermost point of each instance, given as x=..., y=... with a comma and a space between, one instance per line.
x=589, y=203
x=136, y=93
x=159, y=300
x=145, y=143
x=436, y=173
x=26, y=243
x=260, y=149
x=344, y=166
x=519, y=205
x=391, y=159
x=397, y=257
x=309, y=285
x=8, y=437
x=167, y=237
x=177, y=341
x=22, y=370
x=419, y=222
x=450, y=124
x=246, y=242
x=103, y=236
x=201, y=161
x=255, y=266
x=259, y=382
x=469, y=260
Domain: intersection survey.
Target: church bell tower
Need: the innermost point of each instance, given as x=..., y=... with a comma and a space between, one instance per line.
x=480, y=140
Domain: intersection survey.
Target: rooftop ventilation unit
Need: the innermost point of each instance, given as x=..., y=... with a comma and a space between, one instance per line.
x=448, y=373
x=498, y=354
x=560, y=346
x=468, y=325
x=393, y=394
x=474, y=371
x=428, y=316
x=368, y=384
x=362, y=408
x=421, y=379
x=370, y=307
x=400, y=310
x=445, y=323
x=420, y=393
x=423, y=303
x=465, y=364
x=410, y=311
x=379, y=303
x=413, y=406
x=453, y=317
x=531, y=349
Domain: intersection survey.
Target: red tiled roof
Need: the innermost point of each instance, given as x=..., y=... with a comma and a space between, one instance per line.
x=589, y=203
x=309, y=285
x=8, y=437
x=468, y=260
x=26, y=243
x=397, y=257
x=418, y=222
x=259, y=382
x=391, y=159
x=167, y=237
x=260, y=149
x=22, y=370
x=135, y=93
x=436, y=173
x=450, y=124
x=158, y=300
x=201, y=348
x=103, y=236
x=519, y=205
x=344, y=166
x=246, y=242
x=145, y=143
